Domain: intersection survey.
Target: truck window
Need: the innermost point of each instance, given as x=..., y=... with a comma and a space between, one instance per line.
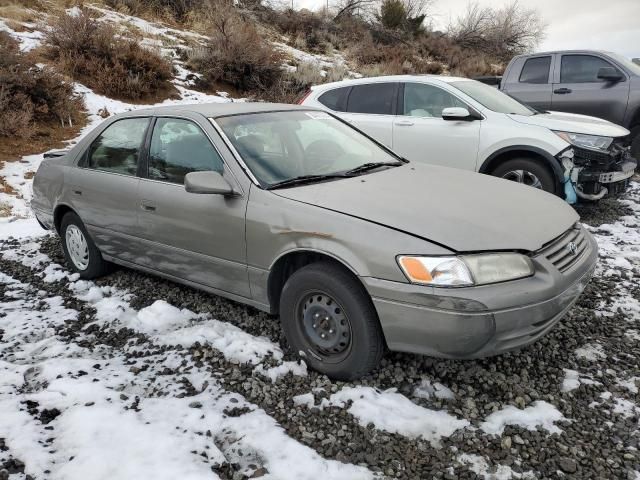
x=376, y=98
x=582, y=68
x=536, y=70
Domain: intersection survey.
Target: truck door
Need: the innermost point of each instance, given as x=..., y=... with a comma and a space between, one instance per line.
x=530, y=81
x=577, y=88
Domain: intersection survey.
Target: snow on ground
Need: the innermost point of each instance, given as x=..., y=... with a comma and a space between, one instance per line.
x=539, y=414
x=480, y=466
x=573, y=379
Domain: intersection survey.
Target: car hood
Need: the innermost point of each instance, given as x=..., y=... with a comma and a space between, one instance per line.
x=461, y=210
x=574, y=123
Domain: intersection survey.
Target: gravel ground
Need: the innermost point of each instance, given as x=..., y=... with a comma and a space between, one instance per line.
x=597, y=439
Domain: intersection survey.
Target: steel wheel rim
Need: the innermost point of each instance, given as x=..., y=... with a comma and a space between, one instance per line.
x=524, y=177
x=77, y=247
x=325, y=326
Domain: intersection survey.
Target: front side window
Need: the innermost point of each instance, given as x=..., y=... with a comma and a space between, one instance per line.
x=375, y=98
x=582, y=68
x=422, y=100
x=536, y=70
x=284, y=145
x=179, y=147
x=117, y=149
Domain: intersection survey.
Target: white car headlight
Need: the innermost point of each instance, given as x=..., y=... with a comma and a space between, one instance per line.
x=466, y=270
x=594, y=142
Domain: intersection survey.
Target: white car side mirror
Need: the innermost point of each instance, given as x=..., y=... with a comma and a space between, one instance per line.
x=456, y=113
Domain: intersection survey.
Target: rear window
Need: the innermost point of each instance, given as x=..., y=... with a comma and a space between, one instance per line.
x=334, y=99
x=536, y=70
x=376, y=98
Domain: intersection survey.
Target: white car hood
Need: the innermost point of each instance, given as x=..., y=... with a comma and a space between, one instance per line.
x=574, y=123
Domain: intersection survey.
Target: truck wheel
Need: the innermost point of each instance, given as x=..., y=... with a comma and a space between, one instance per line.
x=635, y=142
x=329, y=318
x=81, y=253
x=527, y=171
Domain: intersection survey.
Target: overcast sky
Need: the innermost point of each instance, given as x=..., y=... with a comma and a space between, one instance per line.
x=593, y=24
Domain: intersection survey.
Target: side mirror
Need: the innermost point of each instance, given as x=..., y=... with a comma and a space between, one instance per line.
x=609, y=74
x=211, y=183
x=457, y=113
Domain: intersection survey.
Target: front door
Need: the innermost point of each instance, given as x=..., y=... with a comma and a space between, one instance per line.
x=533, y=86
x=422, y=135
x=196, y=237
x=578, y=89
x=104, y=187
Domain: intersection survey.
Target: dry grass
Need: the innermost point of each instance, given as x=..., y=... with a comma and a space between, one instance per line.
x=96, y=55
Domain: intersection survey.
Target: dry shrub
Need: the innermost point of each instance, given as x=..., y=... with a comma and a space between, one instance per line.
x=236, y=54
x=30, y=95
x=95, y=54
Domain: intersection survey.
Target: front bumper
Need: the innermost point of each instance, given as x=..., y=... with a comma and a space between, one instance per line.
x=476, y=322
x=610, y=170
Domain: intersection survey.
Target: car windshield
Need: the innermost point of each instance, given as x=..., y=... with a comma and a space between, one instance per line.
x=492, y=98
x=281, y=146
x=625, y=62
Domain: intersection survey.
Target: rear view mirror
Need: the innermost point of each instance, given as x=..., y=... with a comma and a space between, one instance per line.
x=457, y=113
x=211, y=183
x=609, y=74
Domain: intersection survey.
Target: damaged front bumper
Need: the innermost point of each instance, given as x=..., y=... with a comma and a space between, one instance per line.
x=592, y=175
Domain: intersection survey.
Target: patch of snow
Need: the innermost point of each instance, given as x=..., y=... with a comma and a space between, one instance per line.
x=573, y=379
x=480, y=466
x=591, y=352
x=539, y=414
x=395, y=413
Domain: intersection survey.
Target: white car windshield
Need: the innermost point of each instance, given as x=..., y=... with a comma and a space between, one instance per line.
x=492, y=98
x=281, y=146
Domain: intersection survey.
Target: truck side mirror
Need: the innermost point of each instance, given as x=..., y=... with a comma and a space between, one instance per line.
x=609, y=74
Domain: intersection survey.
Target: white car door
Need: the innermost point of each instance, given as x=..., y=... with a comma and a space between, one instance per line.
x=421, y=134
x=371, y=107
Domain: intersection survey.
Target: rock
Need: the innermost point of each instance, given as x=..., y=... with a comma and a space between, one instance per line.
x=568, y=465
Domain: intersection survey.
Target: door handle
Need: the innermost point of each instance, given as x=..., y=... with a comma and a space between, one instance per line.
x=562, y=91
x=148, y=208
x=77, y=192
x=404, y=123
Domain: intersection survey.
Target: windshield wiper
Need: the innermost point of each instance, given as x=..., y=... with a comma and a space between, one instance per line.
x=301, y=180
x=365, y=167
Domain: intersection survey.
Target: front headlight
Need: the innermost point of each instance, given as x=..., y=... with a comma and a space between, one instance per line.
x=594, y=142
x=466, y=270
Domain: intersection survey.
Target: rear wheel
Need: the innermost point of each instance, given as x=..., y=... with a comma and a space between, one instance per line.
x=635, y=142
x=328, y=316
x=81, y=253
x=527, y=171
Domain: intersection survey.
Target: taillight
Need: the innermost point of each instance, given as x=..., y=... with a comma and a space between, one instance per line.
x=303, y=97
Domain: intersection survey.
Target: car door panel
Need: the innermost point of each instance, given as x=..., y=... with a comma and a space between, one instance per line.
x=577, y=90
x=196, y=237
x=422, y=135
x=370, y=108
x=534, y=83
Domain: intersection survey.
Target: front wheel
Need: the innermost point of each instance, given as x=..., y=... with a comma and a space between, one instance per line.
x=527, y=171
x=328, y=317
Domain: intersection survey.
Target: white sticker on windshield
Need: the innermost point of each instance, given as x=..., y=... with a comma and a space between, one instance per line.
x=318, y=115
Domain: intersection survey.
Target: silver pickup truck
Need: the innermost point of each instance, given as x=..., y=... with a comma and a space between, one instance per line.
x=595, y=83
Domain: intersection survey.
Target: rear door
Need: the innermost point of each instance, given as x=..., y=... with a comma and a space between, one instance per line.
x=422, y=135
x=196, y=237
x=532, y=85
x=577, y=89
x=371, y=108
x=104, y=186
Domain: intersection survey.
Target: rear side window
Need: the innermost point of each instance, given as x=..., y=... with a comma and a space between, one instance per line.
x=376, y=98
x=536, y=70
x=334, y=99
x=582, y=68
x=117, y=149
x=179, y=147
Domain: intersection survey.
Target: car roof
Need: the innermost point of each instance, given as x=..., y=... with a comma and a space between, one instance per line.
x=562, y=52
x=215, y=109
x=388, y=78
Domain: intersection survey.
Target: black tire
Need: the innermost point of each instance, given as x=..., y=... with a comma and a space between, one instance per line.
x=542, y=172
x=365, y=339
x=96, y=266
x=634, y=142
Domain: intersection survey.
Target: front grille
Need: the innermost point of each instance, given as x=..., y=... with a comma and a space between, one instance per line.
x=560, y=253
